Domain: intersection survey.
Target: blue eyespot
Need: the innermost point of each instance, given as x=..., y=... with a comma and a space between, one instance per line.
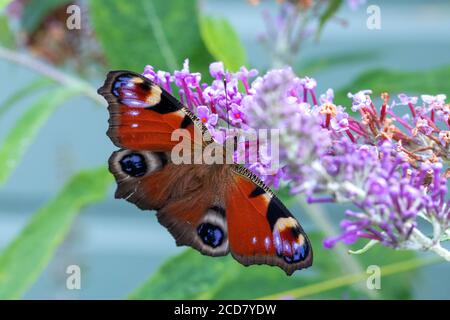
x=210, y=234
x=134, y=165
x=120, y=82
x=300, y=252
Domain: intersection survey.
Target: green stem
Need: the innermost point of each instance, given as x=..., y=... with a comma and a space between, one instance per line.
x=7, y=104
x=158, y=33
x=429, y=245
x=47, y=70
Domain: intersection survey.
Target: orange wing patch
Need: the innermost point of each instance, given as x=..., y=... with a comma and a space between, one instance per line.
x=145, y=129
x=250, y=232
x=262, y=230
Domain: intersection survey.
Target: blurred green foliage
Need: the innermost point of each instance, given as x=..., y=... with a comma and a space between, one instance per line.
x=4, y=3
x=410, y=82
x=329, y=61
x=161, y=32
x=27, y=255
x=6, y=36
x=191, y=275
x=27, y=126
x=332, y=7
x=23, y=92
x=223, y=42
x=36, y=11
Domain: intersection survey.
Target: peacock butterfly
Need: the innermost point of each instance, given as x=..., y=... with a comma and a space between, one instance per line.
x=216, y=208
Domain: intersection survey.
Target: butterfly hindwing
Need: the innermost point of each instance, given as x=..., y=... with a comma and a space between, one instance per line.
x=261, y=228
x=179, y=193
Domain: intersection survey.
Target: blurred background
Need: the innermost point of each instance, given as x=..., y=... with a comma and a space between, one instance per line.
x=56, y=199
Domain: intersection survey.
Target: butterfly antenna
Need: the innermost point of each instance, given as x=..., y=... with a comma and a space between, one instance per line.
x=227, y=111
x=228, y=115
x=226, y=102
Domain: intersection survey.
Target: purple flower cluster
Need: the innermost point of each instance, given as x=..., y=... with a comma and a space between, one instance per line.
x=390, y=167
x=280, y=102
x=212, y=101
x=294, y=23
x=392, y=196
x=221, y=105
x=355, y=4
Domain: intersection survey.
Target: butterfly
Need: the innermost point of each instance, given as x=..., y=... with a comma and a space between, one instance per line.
x=214, y=208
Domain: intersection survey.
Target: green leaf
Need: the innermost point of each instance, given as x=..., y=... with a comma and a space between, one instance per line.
x=186, y=276
x=326, y=62
x=328, y=285
x=369, y=245
x=27, y=255
x=23, y=92
x=191, y=275
x=26, y=128
x=432, y=82
x=223, y=42
x=6, y=35
x=332, y=8
x=4, y=3
x=36, y=10
x=264, y=280
x=159, y=32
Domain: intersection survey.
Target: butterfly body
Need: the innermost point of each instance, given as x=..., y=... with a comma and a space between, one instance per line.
x=215, y=208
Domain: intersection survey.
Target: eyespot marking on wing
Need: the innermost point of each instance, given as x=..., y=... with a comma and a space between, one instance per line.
x=135, y=92
x=289, y=242
x=210, y=234
x=133, y=164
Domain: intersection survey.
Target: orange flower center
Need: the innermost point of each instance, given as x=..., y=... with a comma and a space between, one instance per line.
x=328, y=109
